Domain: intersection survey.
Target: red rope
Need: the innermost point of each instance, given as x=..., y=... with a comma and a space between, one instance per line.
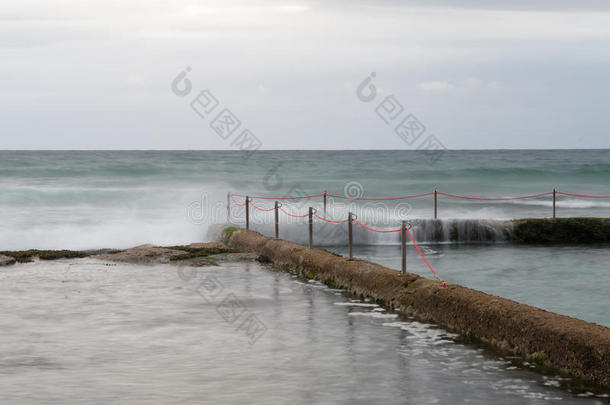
x=261, y=209
x=584, y=195
x=419, y=195
x=375, y=230
x=330, y=220
x=236, y=203
x=424, y=259
x=379, y=199
x=414, y=244
x=495, y=199
x=398, y=198
x=288, y=198
x=292, y=215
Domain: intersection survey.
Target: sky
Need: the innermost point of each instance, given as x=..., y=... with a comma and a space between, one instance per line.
x=481, y=75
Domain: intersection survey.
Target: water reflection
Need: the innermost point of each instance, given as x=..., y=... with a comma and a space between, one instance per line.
x=92, y=333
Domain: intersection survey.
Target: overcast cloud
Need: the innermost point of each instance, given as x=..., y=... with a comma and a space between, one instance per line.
x=97, y=74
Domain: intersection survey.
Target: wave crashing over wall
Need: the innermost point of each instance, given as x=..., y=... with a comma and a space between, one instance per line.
x=423, y=230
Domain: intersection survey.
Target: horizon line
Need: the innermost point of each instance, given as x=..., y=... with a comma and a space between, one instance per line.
x=288, y=150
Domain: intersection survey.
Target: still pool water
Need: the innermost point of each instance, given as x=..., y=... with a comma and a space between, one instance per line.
x=88, y=332
x=570, y=280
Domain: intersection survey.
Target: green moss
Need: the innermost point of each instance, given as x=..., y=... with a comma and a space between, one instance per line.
x=229, y=231
x=212, y=260
x=26, y=256
x=195, y=253
x=332, y=253
x=206, y=251
x=22, y=256
x=562, y=230
x=185, y=256
x=541, y=362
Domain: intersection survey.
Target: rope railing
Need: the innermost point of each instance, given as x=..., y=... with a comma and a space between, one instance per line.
x=312, y=212
x=495, y=198
x=423, y=258
x=421, y=195
x=261, y=209
x=292, y=215
x=330, y=220
x=376, y=230
x=584, y=195
x=379, y=199
x=283, y=198
x=434, y=194
x=235, y=202
x=352, y=218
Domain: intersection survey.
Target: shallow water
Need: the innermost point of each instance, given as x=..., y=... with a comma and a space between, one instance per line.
x=570, y=280
x=84, y=332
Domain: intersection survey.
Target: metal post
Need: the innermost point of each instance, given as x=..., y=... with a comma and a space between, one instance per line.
x=403, y=240
x=310, y=227
x=435, y=204
x=229, y=207
x=349, y=234
x=277, y=220
x=325, y=201
x=554, y=202
x=247, y=212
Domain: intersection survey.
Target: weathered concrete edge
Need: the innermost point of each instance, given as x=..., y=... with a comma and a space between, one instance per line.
x=561, y=230
x=7, y=260
x=576, y=347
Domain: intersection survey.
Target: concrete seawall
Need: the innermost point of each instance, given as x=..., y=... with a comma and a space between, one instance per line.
x=561, y=230
x=576, y=347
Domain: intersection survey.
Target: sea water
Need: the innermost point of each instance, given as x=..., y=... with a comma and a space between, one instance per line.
x=99, y=199
x=96, y=199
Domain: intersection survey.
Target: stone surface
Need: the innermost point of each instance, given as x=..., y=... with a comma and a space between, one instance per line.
x=144, y=254
x=561, y=230
x=195, y=254
x=6, y=260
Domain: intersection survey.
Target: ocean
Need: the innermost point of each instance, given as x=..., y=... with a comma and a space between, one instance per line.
x=96, y=199
x=112, y=199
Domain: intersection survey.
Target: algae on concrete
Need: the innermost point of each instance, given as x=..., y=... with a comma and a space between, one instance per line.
x=561, y=230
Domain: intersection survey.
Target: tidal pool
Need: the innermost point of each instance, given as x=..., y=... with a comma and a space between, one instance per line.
x=83, y=331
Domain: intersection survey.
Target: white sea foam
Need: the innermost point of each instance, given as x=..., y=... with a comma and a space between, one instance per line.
x=570, y=203
x=374, y=315
x=84, y=200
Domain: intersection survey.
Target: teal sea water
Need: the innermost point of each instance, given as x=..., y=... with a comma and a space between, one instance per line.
x=66, y=199
x=96, y=199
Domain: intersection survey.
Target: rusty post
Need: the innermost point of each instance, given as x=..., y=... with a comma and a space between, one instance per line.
x=435, y=204
x=277, y=220
x=247, y=212
x=403, y=244
x=324, y=201
x=554, y=202
x=349, y=235
x=310, y=227
x=229, y=207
